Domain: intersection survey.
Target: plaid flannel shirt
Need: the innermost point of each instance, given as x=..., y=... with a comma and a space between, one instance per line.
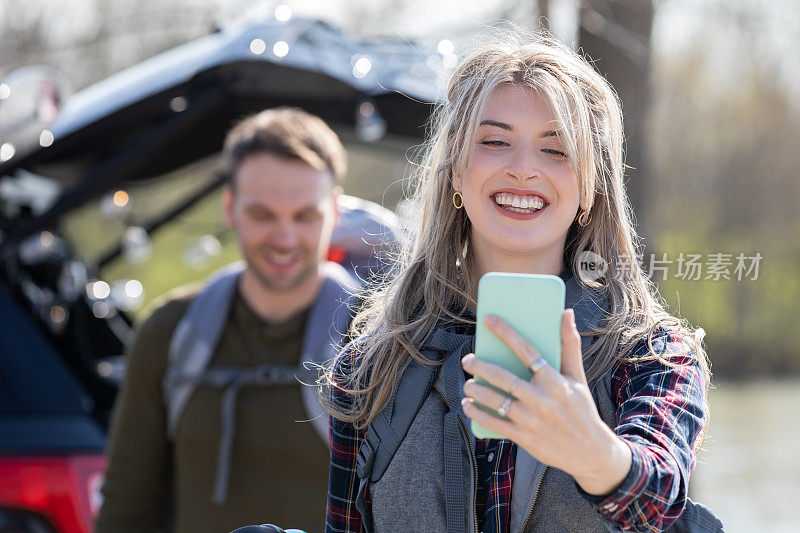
x=660, y=414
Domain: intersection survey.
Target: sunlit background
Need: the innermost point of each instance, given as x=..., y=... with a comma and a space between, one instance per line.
x=711, y=95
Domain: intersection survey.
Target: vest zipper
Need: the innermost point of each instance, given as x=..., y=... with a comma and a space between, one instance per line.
x=533, y=503
x=474, y=459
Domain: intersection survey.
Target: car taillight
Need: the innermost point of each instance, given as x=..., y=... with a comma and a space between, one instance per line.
x=337, y=255
x=63, y=489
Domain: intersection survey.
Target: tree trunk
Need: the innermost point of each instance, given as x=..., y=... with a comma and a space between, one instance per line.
x=542, y=14
x=616, y=36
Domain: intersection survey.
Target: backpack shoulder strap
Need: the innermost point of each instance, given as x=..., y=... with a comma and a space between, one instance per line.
x=194, y=340
x=327, y=325
x=591, y=306
x=696, y=518
x=387, y=431
x=389, y=428
x=330, y=315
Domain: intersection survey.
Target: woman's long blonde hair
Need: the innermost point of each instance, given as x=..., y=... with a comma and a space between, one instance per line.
x=436, y=272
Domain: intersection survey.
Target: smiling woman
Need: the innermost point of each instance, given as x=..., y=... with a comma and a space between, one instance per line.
x=518, y=169
x=524, y=174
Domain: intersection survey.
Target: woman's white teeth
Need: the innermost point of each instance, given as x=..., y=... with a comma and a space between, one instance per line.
x=509, y=201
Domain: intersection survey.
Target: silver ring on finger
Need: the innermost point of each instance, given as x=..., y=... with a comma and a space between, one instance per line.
x=503, y=409
x=538, y=365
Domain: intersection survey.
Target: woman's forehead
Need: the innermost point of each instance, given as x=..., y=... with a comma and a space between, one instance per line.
x=517, y=106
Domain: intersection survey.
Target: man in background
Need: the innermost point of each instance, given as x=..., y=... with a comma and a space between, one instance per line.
x=207, y=433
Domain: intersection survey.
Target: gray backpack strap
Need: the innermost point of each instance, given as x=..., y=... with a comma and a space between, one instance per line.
x=389, y=428
x=328, y=322
x=386, y=431
x=195, y=338
x=590, y=305
x=696, y=518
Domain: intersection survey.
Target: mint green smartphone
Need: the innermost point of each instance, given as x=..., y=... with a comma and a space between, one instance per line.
x=533, y=305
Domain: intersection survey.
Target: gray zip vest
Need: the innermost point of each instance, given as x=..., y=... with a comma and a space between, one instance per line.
x=418, y=458
x=198, y=333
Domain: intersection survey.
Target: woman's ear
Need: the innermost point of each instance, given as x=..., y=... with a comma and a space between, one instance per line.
x=455, y=181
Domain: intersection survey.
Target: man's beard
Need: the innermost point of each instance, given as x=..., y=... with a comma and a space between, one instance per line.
x=269, y=284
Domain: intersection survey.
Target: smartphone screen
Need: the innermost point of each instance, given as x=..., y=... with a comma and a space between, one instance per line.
x=533, y=305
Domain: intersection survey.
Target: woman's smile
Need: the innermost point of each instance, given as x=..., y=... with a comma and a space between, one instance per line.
x=519, y=205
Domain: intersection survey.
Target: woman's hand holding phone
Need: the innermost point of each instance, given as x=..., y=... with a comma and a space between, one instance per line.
x=553, y=416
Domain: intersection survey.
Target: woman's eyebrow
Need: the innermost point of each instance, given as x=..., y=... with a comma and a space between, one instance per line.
x=502, y=125
x=509, y=127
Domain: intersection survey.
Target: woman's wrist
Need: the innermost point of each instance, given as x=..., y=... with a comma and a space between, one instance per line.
x=611, y=468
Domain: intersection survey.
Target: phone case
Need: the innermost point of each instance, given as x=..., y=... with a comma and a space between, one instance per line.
x=533, y=305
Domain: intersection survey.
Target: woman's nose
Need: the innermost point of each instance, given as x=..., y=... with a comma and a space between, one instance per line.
x=523, y=165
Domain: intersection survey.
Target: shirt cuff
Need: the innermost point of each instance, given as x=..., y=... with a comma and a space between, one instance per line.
x=634, y=484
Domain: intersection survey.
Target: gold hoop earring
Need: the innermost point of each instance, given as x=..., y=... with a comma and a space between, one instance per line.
x=458, y=200
x=584, y=218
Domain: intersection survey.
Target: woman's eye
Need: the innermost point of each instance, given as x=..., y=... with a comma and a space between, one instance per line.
x=494, y=143
x=557, y=153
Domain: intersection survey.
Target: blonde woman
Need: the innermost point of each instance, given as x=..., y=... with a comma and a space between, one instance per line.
x=523, y=173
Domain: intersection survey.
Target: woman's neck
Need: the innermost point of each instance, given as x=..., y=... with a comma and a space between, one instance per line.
x=552, y=263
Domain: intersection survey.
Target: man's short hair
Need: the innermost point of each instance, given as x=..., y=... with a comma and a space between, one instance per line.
x=286, y=132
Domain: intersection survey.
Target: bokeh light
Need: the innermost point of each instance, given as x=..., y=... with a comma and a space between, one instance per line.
x=445, y=47
x=47, y=238
x=366, y=109
x=178, y=104
x=257, y=46
x=127, y=294
x=104, y=368
x=280, y=49
x=101, y=309
x=133, y=288
x=58, y=314
x=362, y=66
x=46, y=138
x=7, y=151
x=121, y=198
x=283, y=13
x=98, y=290
x=200, y=252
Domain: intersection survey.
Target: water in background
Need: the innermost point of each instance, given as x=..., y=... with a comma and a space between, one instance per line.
x=749, y=470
